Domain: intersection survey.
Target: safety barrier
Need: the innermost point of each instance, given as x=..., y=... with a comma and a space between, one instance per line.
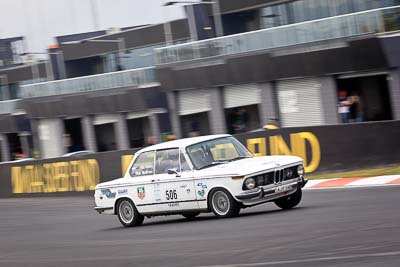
x=323, y=148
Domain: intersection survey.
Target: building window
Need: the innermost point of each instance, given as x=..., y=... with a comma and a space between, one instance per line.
x=9, y=91
x=306, y=10
x=130, y=59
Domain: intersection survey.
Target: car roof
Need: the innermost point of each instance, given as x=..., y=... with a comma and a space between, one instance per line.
x=182, y=142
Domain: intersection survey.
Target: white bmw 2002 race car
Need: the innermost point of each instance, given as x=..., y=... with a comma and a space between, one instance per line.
x=200, y=174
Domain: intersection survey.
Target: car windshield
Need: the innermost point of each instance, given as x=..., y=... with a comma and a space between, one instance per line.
x=216, y=151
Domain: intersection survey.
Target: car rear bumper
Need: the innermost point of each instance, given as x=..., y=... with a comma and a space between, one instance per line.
x=100, y=210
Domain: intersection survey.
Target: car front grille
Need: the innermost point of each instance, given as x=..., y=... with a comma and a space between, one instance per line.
x=277, y=176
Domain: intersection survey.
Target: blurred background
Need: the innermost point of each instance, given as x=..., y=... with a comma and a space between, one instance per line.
x=84, y=84
x=99, y=75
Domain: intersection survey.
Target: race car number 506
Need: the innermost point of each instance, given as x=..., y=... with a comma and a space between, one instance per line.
x=171, y=194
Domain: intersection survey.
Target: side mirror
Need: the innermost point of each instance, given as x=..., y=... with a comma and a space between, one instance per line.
x=173, y=171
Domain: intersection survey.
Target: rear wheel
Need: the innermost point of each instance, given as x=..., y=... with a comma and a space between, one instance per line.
x=128, y=214
x=290, y=201
x=222, y=204
x=190, y=215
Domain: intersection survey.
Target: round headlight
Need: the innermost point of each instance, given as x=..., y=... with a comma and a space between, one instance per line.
x=300, y=170
x=250, y=183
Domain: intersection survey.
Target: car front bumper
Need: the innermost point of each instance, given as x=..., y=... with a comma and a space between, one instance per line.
x=270, y=192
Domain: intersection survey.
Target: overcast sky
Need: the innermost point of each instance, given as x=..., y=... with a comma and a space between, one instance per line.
x=41, y=20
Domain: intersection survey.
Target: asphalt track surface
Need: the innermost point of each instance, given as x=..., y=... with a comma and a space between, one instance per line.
x=331, y=227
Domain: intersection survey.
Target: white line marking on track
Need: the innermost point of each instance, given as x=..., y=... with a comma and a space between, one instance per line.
x=356, y=256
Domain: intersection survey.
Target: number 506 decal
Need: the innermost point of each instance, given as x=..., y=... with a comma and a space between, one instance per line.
x=171, y=194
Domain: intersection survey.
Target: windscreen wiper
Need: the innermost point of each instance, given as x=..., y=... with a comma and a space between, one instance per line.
x=240, y=157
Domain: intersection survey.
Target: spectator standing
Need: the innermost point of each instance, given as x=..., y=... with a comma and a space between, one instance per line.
x=240, y=121
x=344, y=104
x=356, y=109
x=195, y=128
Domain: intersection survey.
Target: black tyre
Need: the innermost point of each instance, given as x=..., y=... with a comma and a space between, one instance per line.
x=190, y=215
x=290, y=201
x=127, y=213
x=222, y=204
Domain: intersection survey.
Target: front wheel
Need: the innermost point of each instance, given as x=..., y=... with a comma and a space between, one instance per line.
x=290, y=201
x=223, y=205
x=128, y=215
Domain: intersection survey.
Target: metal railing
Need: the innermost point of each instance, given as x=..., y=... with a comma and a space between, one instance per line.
x=90, y=83
x=371, y=21
x=8, y=106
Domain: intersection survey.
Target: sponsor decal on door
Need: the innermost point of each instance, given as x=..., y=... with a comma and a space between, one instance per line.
x=141, y=193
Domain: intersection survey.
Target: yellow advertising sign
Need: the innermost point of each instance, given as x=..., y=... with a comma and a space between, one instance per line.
x=125, y=161
x=298, y=141
x=75, y=175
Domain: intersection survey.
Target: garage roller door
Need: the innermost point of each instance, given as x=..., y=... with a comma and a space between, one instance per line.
x=241, y=95
x=193, y=101
x=300, y=102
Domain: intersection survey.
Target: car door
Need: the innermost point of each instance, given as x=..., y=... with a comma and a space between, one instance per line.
x=174, y=186
x=142, y=174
